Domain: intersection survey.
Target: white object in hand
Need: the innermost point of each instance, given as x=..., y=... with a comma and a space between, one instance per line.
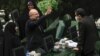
x=71, y=44
x=32, y=53
x=62, y=41
x=65, y=39
x=37, y=54
x=56, y=47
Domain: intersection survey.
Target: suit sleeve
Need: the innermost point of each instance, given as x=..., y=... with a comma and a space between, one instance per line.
x=81, y=35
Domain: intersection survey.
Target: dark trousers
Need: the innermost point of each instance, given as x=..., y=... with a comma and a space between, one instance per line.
x=89, y=54
x=80, y=53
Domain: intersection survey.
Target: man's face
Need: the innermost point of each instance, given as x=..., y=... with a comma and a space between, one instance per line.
x=30, y=6
x=34, y=15
x=77, y=17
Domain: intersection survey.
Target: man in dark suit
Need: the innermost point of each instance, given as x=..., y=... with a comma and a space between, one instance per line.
x=87, y=33
x=34, y=30
x=11, y=40
x=25, y=16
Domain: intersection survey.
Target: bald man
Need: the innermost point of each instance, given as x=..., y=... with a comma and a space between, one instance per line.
x=34, y=15
x=34, y=30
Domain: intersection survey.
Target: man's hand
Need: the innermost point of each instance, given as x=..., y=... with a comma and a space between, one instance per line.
x=49, y=10
x=76, y=49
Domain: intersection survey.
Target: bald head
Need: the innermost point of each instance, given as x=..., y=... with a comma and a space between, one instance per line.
x=33, y=14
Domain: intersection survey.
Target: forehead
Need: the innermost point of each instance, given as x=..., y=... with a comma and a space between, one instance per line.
x=33, y=12
x=30, y=5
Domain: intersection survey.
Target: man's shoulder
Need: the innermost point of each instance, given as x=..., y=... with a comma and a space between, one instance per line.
x=86, y=19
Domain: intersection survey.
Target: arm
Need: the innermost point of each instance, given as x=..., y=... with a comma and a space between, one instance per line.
x=60, y=29
x=81, y=35
x=52, y=26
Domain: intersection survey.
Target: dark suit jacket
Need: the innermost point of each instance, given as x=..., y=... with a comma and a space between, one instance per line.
x=11, y=40
x=1, y=43
x=34, y=34
x=87, y=35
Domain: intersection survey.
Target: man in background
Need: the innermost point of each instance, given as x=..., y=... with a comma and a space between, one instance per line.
x=34, y=30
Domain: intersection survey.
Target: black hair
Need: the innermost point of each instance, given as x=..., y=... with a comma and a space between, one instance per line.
x=81, y=12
